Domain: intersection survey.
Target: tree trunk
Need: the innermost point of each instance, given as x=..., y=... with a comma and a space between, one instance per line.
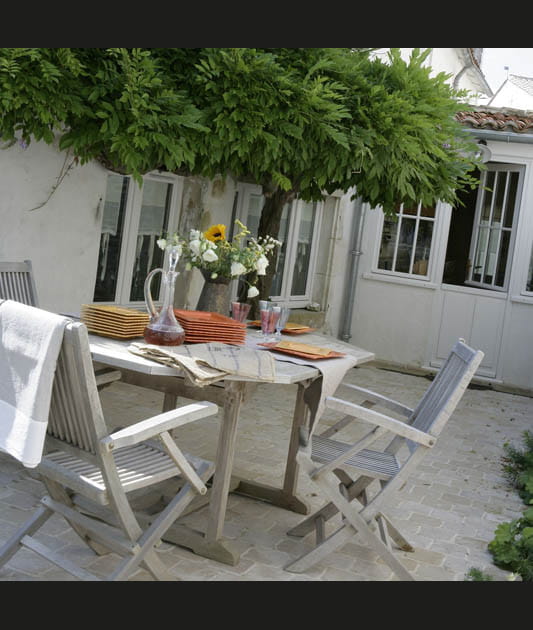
x=269, y=225
x=194, y=190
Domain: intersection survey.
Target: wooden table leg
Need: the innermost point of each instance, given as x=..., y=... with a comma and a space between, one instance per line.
x=224, y=460
x=212, y=544
x=285, y=497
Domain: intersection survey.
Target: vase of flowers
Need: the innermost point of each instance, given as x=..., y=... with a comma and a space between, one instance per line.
x=220, y=260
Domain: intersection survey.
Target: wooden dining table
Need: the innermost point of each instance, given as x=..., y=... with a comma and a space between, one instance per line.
x=228, y=394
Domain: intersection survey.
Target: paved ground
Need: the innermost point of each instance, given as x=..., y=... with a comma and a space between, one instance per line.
x=449, y=511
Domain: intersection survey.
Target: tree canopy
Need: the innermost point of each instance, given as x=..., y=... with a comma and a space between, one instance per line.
x=295, y=120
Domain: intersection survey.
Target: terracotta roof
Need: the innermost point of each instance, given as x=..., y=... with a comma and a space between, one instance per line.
x=498, y=120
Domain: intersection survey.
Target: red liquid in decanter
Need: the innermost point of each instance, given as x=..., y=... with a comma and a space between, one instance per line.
x=162, y=337
x=164, y=331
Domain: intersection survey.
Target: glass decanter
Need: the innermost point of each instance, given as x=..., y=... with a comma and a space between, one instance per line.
x=163, y=329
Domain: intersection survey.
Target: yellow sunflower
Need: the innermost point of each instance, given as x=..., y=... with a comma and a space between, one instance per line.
x=216, y=233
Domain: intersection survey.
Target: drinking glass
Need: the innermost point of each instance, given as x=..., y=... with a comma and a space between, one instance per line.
x=269, y=319
x=240, y=310
x=282, y=320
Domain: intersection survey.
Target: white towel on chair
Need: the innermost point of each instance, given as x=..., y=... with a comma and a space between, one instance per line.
x=30, y=341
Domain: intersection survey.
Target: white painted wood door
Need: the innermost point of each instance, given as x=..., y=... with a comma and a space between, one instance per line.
x=474, y=315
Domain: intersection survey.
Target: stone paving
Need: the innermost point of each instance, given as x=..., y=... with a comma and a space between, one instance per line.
x=448, y=510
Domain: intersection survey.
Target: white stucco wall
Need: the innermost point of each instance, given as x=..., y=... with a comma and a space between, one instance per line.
x=61, y=238
x=390, y=318
x=399, y=319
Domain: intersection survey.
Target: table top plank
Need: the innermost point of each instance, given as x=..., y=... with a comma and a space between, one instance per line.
x=114, y=352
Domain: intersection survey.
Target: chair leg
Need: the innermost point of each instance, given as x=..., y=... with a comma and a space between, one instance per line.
x=327, y=484
x=396, y=535
x=58, y=493
x=355, y=488
x=308, y=525
x=320, y=551
x=13, y=544
x=157, y=527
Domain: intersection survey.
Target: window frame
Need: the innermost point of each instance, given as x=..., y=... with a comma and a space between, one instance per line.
x=285, y=298
x=392, y=274
x=132, y=215
x=496, y=167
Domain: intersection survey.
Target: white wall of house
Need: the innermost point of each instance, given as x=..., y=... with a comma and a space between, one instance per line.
x=402, y=319
x=62, y=237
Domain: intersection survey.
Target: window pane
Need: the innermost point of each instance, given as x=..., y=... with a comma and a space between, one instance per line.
x=480, y=254
x=529, y=285
x=492, y=254
x=511, y=199
x=426, y=211
x=152, y=223
x=255, y=206
x=423, y=247
x=412, y=210
x=282, y=251
x=405, y=245
x=111, y=238
x=487, y=198
x=388, y=241
x=502, y=259
x=303, y=248
x=498, y=204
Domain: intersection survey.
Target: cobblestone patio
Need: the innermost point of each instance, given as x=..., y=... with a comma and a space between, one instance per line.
x=448, y=511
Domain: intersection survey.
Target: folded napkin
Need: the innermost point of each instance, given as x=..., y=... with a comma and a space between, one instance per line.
x=30, y=341
x=206, y=363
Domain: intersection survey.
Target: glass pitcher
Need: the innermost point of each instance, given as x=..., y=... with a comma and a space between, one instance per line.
x=163, y=328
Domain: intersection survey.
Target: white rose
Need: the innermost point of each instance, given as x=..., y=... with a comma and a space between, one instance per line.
x=209, y=255
x=237, y=269
x=261, y=265
x=195, y=247
x=194, y=235
x=252, y=292
x=162, y=243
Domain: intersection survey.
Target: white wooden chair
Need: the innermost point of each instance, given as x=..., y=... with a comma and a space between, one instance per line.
x=17, y=282
x=326, y=461
x=89, y=472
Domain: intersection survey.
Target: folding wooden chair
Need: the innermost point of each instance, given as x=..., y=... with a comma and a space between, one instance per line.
x=326, y=461
x=17, y=283
x=88, y=471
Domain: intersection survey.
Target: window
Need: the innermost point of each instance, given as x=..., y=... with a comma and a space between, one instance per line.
x=296, y=258
x=529, y=283
x=133, y=219
x=406, y=241
x=493, y=231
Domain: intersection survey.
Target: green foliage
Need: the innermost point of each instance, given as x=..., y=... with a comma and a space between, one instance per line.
x=293, y=119
x=518, y=467
x=512, y=546
x=476, y=575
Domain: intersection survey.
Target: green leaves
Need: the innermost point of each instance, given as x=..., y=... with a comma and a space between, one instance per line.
x=300, y=119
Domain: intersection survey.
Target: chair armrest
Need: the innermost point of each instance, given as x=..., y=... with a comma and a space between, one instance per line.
x=383, y=401
x=373, y=417
x=141, y=431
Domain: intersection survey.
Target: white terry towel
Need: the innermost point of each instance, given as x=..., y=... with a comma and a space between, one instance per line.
x=30, y=341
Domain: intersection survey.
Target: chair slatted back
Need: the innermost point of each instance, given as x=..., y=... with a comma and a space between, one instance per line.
x=17, y=283
x=442, y=396
x=76, y=417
